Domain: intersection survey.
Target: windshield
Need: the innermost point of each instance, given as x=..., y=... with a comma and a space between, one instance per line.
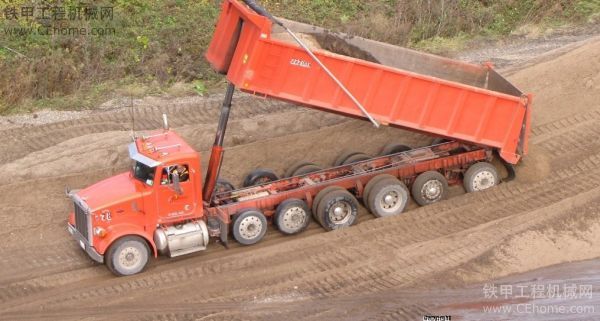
x=144, y=173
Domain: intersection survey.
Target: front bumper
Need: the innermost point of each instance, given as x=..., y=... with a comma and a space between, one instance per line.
x=90, y=250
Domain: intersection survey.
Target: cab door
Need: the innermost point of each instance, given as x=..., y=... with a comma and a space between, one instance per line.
x=173, y=203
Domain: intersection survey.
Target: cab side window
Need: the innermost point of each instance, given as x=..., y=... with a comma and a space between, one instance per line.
x=166, y=178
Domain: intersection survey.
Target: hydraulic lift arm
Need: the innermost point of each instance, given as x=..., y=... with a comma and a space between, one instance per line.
x=216, y=155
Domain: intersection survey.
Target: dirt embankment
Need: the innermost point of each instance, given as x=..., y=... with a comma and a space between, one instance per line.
x=547, y=216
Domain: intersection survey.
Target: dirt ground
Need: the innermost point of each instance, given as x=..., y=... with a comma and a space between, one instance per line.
x=427, y=261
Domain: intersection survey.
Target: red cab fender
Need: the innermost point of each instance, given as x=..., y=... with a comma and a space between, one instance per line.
x=117, y=231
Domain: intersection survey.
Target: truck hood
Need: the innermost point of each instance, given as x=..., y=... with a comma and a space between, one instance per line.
x=112, y=191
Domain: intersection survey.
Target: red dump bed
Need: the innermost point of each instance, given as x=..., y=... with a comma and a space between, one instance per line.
x=410, y=90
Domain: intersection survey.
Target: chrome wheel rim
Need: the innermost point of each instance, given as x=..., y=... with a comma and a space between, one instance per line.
x=294, y=218
x=390, y=201
x=340, y=213
x=250, y=227
x=130, y=258
x=483, y=180
x=432, y=190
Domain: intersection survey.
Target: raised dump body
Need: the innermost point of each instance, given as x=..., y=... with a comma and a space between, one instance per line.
x=396, y=86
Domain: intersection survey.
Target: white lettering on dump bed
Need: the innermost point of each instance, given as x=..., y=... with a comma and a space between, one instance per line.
x=300, y=63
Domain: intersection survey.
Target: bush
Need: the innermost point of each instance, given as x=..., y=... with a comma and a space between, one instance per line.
x=149, y=43
x=161, y=42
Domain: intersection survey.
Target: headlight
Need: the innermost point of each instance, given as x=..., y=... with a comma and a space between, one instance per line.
x=99, y=232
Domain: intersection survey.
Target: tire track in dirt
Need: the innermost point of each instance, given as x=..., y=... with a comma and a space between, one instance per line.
x=367, y=259
x=578, y=139
x=11, y=191
x=19, y=142
x=572, y=129
x=508, y=223
x=540, y=132
x=470, y=220
x=333, y=260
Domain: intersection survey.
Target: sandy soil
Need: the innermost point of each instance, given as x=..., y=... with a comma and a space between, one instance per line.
x=396, y=268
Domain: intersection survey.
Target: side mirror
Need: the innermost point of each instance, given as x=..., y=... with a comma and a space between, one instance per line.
x=176, y=186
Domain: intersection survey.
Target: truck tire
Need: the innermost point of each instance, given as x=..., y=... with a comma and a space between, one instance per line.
x=429, y=187
x=259, y=176
x=343, y=156
x=388, y=197
x=371, y=183
x=439, y=140
x=337, y=209
x=249, y=227
x=356, y=158
x=480, y=176
x=292, y=216
x=223, y=186
x=458, y=150
x=307, y=169
x=393, y=148
x=318, y=198
x=127, y=256
x=292, y=169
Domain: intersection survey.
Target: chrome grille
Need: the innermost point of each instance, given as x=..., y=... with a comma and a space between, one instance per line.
x=82, y=221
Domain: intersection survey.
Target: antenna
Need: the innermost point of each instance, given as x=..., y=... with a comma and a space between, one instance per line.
x=132, y=113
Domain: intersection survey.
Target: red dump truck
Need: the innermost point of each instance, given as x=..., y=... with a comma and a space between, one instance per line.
x=162, y=207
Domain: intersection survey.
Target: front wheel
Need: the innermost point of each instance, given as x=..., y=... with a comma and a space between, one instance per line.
x=127, y=256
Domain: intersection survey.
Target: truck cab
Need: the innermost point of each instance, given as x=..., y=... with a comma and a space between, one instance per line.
x=137, y=213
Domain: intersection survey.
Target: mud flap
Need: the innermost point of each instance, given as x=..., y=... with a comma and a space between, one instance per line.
x=224, y=233
x=510, y=169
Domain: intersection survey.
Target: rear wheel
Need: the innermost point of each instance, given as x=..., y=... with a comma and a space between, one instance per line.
x=318, y=198
x=373, y=182
x=249, y=227
x=307, y=169
x=439, y=140
x=480, y=176
x=356, y=158
x=295, y=166
x=259, y=176
x=223, y=186
x=292, y=216
x=429, y=187
x=388, y=197
x=127, y=256
x=458, y=150
x=337, y=209
x=343, y=156
x=393, y=148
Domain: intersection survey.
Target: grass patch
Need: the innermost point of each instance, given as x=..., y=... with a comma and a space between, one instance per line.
x=444, y=46
x=158, y=45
